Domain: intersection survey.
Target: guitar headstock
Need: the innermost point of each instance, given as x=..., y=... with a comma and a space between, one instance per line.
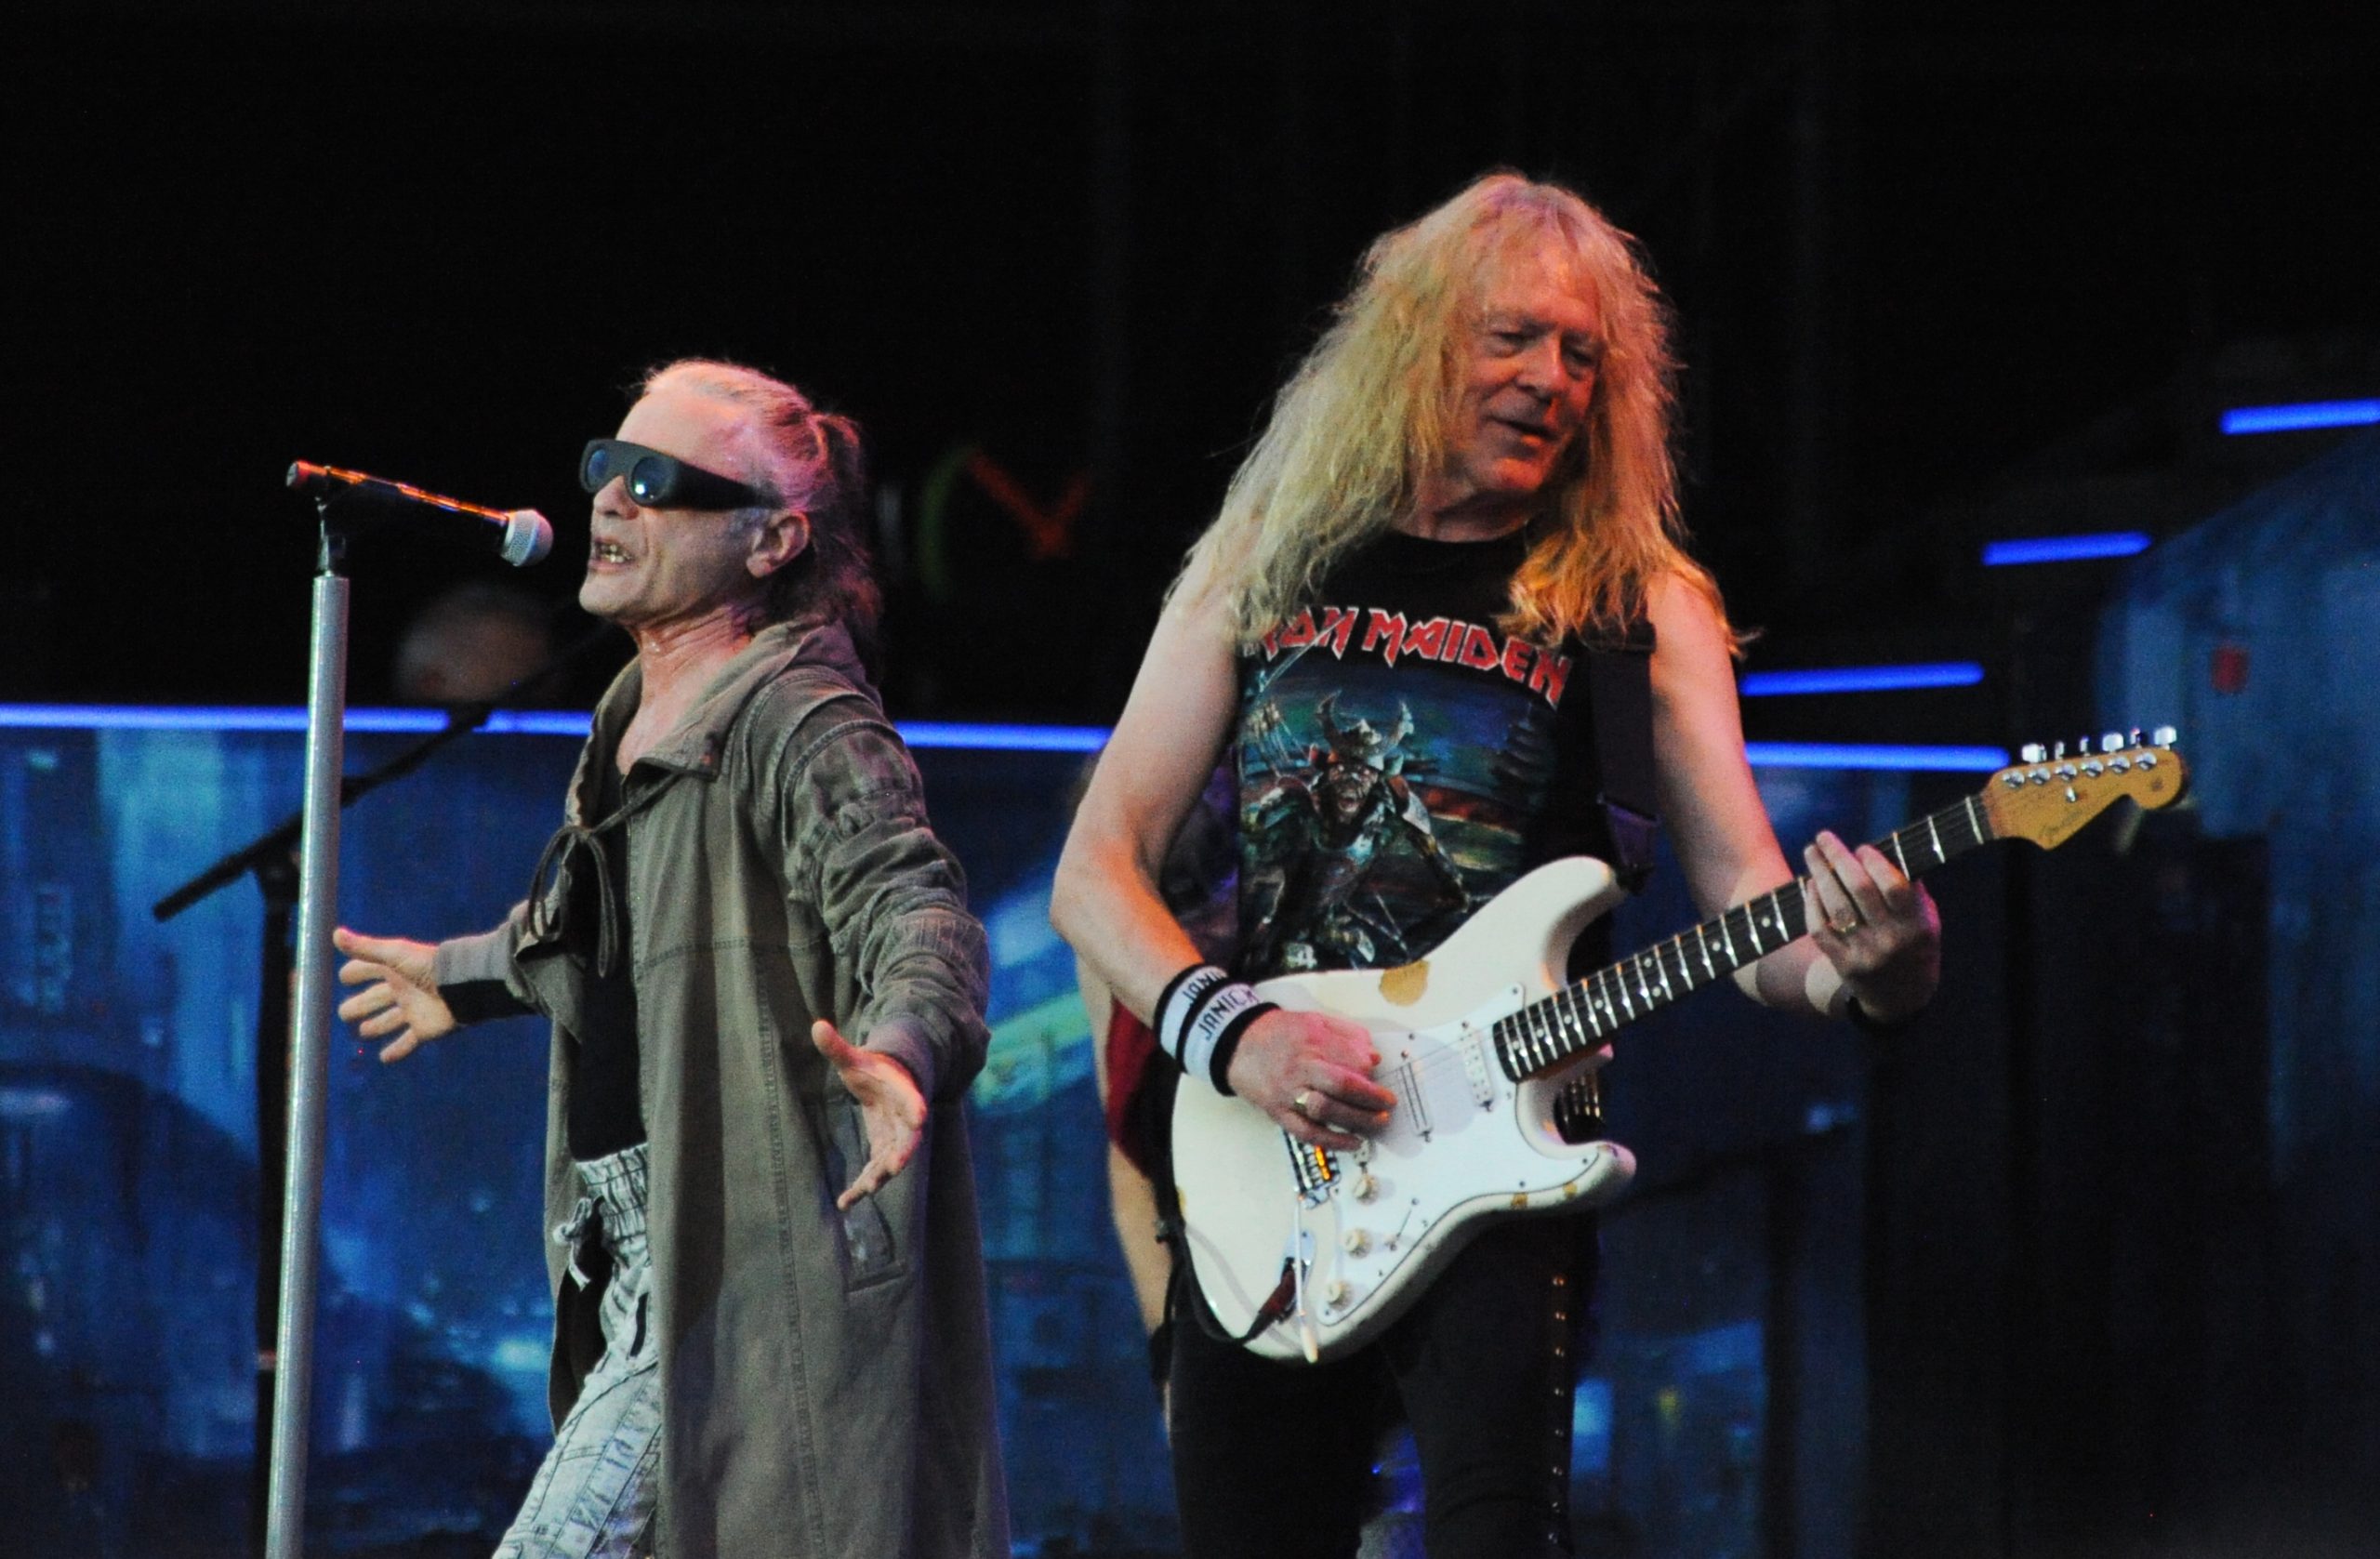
x=2051, y=794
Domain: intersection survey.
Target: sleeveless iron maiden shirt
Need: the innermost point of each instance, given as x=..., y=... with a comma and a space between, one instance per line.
x=1401, y=760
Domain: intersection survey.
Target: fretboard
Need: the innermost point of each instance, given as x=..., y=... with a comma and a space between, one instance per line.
x=1581, y=1017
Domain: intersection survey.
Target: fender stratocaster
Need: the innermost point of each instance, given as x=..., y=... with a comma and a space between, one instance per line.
x=1305, y=1253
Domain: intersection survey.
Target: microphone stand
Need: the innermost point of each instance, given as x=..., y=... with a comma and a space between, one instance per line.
x=310, y=1050
x=290, y=1118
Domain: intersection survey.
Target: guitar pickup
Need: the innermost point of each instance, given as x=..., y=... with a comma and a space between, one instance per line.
x=1475, y=1065
x=1409, y=1096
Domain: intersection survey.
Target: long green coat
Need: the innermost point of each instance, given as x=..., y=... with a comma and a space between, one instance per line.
x=825, y=1377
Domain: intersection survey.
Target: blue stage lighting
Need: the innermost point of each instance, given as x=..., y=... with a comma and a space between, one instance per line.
x=2065, y=548
x=2301, y=415
x=532, y=722
x=1005, y=738
x=1865, y=755
x=537, y=722
x=111, y=717
x=1861, y=679
x=917, y=734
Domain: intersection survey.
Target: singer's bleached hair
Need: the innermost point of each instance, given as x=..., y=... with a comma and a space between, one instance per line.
x=1370, y=413
x=809, y=459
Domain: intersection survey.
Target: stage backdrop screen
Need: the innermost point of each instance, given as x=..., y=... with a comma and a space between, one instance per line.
x=130, y=1202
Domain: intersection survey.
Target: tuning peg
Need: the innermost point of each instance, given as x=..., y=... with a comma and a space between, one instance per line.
x=2032, y=752
x=2135, y=735
x=2163, y=735
x=2058, y=749
x=2112, y=741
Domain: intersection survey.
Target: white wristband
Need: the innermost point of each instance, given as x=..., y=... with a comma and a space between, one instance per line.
x=1206, y=1022
x=1180, y=998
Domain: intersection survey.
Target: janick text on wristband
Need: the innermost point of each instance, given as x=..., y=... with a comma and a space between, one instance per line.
x=1200, y=1016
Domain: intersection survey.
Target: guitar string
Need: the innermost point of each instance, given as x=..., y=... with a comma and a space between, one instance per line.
x=1580, y=1016
x=1784, y=905
x=1787, y=911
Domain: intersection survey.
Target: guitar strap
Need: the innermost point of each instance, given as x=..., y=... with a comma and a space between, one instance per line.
x=1620, y=680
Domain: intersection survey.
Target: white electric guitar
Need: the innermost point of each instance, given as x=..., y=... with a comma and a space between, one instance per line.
x=1303, y=1252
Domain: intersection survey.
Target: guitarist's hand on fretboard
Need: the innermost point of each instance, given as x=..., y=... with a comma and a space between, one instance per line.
x=1311, y=1072
x=1879, y=930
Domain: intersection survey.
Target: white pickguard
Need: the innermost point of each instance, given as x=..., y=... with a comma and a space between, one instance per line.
x=1464, y=1144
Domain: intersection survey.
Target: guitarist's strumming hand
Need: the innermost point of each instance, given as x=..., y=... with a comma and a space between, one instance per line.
x=1879, y=930
x=1312, y=1074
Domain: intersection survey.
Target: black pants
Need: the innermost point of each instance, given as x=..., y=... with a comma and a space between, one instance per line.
x=1273, y=1459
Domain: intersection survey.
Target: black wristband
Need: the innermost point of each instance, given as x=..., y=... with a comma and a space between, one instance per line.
x=1156, y=1014
x=1227, y=1045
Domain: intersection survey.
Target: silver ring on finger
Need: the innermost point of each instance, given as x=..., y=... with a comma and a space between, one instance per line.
x=1303, y=1103
x=1845, y=925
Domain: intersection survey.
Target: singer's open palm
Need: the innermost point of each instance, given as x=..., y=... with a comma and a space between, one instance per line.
x=400, y=994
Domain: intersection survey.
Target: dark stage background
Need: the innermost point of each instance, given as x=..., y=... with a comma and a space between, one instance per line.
x=2088, y=1268
x=1916, y=256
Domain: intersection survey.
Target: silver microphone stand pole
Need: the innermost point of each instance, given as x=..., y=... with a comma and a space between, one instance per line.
x=308, y=1062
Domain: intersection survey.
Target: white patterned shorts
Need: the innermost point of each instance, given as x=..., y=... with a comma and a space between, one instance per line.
x=593, y=1498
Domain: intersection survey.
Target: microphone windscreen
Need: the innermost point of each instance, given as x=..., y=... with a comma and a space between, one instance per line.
x=528, y=537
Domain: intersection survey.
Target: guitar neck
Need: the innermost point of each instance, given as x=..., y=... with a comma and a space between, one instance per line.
x=1581, y=1017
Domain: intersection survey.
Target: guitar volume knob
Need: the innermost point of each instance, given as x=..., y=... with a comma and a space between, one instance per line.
x=1356, y=1242
x=1366, y=1187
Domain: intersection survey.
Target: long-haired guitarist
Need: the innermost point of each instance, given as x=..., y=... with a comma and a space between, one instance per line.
x=1463, y=496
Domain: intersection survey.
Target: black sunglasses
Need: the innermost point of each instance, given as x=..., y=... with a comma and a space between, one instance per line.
x=658, y=481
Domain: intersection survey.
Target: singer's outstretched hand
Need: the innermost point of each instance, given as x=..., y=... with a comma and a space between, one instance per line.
x=890, y=1105
x=400, y=994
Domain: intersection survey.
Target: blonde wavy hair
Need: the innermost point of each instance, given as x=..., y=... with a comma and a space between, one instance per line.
x=1371, y=412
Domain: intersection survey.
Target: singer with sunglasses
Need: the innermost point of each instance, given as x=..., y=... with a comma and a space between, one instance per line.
x=766, y=994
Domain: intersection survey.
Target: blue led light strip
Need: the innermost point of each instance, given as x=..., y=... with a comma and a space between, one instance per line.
x=1004, y=738
x=2302, y=413
x=112, y=717
x=919, y=733
x=2064, y=549
x=1861, y=679
x=1865, y=755
x=533, y=723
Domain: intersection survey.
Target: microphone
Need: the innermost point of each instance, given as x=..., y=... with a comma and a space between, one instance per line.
x=519, y=537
